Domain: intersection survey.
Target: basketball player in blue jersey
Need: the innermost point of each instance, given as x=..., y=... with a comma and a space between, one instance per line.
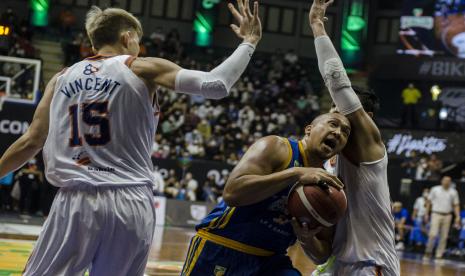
x=96, y=124
x=363, y=243
x=250, y=231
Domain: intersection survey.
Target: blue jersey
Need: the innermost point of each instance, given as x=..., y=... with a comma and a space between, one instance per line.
x=261, y=229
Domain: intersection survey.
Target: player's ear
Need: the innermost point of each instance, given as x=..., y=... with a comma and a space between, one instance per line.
x=125, y=37
x=370, y=114
x=308, y=129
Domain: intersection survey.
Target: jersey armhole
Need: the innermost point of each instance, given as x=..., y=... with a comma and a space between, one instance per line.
x=289, y=156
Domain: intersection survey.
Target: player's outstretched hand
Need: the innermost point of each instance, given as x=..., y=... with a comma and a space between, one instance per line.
x=303, y=233
x=318, y=11
x=250, y=27
x=317, y=176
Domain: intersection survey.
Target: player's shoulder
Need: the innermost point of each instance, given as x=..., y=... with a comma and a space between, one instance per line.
x=272, y=146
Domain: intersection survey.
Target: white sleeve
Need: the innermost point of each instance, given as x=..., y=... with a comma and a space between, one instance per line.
x=335, y=76
x=416, y=205
x=456, y=198
x=217, y=83
x=431, y=194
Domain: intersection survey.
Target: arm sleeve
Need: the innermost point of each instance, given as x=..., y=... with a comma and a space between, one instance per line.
x=335, y=76
x=217, y=83
x=456, y=198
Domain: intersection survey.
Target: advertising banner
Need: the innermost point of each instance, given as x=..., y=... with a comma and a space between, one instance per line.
x=186, y=213
x=14, y=121
x=447, y=145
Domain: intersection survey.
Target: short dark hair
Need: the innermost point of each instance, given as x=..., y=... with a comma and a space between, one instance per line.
x=368, y=98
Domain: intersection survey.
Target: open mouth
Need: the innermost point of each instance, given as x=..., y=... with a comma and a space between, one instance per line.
x=330, y=142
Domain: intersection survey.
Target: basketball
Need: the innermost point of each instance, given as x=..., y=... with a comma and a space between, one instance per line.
x=318, y=205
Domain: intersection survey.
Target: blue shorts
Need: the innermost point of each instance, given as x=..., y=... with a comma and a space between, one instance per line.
x=206, y=258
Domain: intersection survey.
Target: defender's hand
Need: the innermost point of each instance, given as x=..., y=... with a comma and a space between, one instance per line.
x=318, y=11
x=250, y=27
x=303, y=233
x=317, y=176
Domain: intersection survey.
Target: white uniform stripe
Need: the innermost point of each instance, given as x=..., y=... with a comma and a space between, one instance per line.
x=309, y=207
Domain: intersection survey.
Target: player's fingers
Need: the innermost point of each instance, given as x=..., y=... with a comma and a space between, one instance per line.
x=240, y=5
x=247, y=9
x=295, y=225
x=315, y=231
x=236, y=29
x=235, y=12
x=333, y=181
x=255, y=10
x=329, y=3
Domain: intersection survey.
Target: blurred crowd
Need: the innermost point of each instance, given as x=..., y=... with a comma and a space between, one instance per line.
x=17, y=42
x=27, y=191
x=188, y=188
x=435, y=223
x=422, y=167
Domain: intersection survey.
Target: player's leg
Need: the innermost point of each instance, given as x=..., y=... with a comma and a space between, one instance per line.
x=207, y=258
x=69, y=237
x=433, y=232
x=128, y=232
x=444, y=232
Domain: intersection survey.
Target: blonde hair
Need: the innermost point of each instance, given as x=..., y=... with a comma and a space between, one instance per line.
x=104, y=27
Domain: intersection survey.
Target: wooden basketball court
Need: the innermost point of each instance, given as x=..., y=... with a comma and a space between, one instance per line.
x=168, y=255
x=170, y=246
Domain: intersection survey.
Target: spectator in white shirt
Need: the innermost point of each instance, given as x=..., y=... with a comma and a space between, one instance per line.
x=442, y=201
x=419, y=208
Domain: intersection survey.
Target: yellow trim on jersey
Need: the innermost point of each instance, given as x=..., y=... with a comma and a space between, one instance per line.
x=189, y=254
x=304, y=154
x=244, y=248
x=221, y=222
x=289, y=155
x=196, y=257
x=228, y=217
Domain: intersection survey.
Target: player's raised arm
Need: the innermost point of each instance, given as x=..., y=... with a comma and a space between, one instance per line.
x=32, y=141
x=217, y=83
x=365, y=143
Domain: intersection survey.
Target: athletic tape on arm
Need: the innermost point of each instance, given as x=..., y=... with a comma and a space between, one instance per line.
x=335, y=76
x=217, y=83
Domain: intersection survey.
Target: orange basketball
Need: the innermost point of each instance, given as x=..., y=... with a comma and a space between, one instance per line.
x=318, y=205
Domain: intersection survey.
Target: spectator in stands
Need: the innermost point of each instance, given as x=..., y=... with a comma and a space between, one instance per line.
x=291, y=57
x=209, y=193
x=434, y=168
x=442, y=201
x=410, y=97
x=67, y=20
x=157, y=38
x=400, y=217
x=6, y=185
x=419, y=234
x=9, y=18
x=30, y=178
x=422, y=172
x=158, y=184
x=173, y=45
x=191, y=186
x=410, y=164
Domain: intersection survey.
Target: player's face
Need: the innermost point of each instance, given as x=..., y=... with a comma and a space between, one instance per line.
x=329, y=135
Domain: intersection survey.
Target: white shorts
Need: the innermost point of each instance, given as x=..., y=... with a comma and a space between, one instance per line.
x=108, y=230
x=335, y=268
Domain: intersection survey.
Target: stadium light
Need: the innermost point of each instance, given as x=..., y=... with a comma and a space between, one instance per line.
x=40, y=12
x=204, y=22
x=353, y=32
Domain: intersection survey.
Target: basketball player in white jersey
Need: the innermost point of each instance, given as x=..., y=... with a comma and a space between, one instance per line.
x=96, y=124
x=363, y=242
